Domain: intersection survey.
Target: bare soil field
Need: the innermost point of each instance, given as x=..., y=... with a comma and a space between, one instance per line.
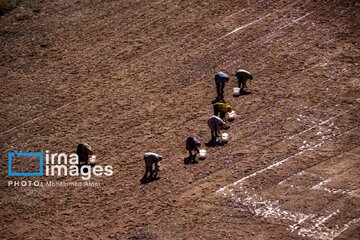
x=134, y=76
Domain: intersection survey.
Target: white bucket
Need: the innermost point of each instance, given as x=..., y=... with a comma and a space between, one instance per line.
x=202, y=153
x=231, y=115
x=93, y=159
x=236, y=91
x=224, y=137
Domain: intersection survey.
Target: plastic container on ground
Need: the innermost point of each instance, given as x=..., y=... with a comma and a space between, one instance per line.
x=224, y=137
x=231, y=115
x=92, y=159
x=236, y=91
x=202, y=153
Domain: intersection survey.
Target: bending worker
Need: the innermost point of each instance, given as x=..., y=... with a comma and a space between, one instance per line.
x=152, y=166
x=220, y=79
x=243, y=76
x=222, y=108
x=192, y=145
x=83, y=151
x=216, y=124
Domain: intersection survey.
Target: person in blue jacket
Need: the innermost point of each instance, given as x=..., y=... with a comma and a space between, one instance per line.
x=220, y=79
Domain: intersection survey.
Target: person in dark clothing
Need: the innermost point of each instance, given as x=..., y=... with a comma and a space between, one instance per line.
x=83, y=151
x=192, y=145
x=243, y=76
x=220, y=79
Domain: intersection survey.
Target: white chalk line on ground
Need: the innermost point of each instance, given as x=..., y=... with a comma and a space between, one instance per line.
x=302, y=17
x=230, y=16
x=320, y=231
x=251, y=23
x=272, y=209
x=302, y=172
x=322, y=186
x=320, y=124
x=266, y=208
x=166, y=45
x=309, y=147
x=271, y=166
x=41, y=116
x=288, y=118
x=313, y=107
x=244, y=26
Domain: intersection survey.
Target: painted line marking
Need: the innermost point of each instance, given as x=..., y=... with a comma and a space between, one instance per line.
x=41, y=116
x=309, y=148
x=305, y=224
x=320, y=124
x=315, y=224
x=298, y=19
x=322, y=186
x=244, y=26
x=272, y=166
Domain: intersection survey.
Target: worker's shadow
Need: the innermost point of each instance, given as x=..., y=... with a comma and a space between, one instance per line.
x=215, y=143
x=217, y=100
x=149, y=180
x=188, y=160
x=242, y=93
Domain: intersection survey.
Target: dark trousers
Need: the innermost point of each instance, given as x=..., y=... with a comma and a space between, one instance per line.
x=83, y=158
x=220, y=89
x=241, y=83
x=192, y=156
x=214, y=134
x=149, y=169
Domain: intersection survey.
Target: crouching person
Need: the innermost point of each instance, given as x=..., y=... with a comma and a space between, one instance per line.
x=192, y=145
x=243, y=76
x=83, y=151
x=222, y=109
x=152, y=166
x=216, y=124
x=220, y=79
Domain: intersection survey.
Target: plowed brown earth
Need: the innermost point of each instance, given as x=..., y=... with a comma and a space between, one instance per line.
x=135, y=76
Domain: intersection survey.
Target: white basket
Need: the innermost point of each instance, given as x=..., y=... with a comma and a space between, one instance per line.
x=202, y=153
x=224, y=137
x=231, y=115
x=92, y=159
x=236, y=91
